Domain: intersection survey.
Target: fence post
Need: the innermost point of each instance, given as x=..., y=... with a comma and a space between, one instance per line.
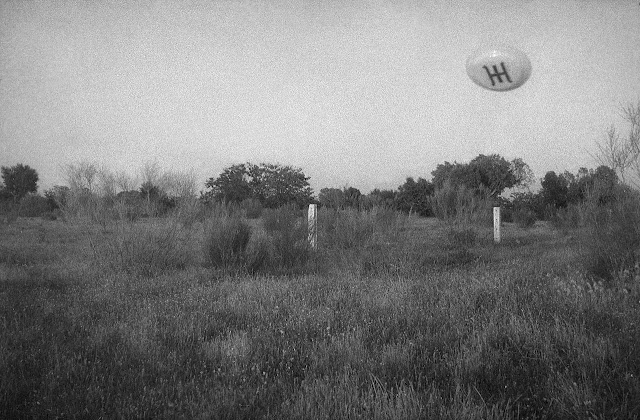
x=313, y=225
x=496, y=225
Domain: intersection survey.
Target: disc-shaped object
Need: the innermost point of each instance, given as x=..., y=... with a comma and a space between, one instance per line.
x=499, y=68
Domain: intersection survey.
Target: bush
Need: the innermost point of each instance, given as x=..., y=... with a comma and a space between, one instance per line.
x=252, y=208
x=226, y=240
x=524, y=218
x=462, y=206
x=259, y=254
x=8, y=211
x=33, y=205
x=143, y=249
x=287, y=232
x=565, y=219
x=613, y=233
x=463, y=237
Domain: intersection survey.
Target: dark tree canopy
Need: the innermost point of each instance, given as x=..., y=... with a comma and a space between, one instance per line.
x=19, y=180
x=413, y=196
x=493, y=173
x=272, y=185
x=555, y=189
x=331, y=198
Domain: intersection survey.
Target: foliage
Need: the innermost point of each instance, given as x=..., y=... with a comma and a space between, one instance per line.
x=19, y=180
x=287, y=233
x=622, y=153
x=252, y=208
x=524, y=217
x=273, y=185
x=459, y=205
x=613, y=231
x=226, y=240
x=34, y=205
x=144, y=250
x=332, y=198
x=520, y=333
x=57, y=196
x=413, y=196
x=559, y=191
x=383, y=198
x=555, y=189
x=492, y=173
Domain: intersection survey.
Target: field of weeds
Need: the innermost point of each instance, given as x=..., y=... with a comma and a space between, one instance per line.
x=391, y=318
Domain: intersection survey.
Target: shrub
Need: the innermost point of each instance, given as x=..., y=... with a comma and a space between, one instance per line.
x=613, y=233
x=565, y=219
x=287, y=232
x=345, y=229
x=461, y=205
x=259, y=254
x=8, y=212
x=226, y=239
x=463, y=237
x=524, y=218
x=143, y=249
x=33, y=205
x=252, y=208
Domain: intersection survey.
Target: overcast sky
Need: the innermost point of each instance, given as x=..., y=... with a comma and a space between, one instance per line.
x=356, y=93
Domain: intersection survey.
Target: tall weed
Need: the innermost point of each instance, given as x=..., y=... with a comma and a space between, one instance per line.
x=226, y=240
x=146, y=249
x=612, y=232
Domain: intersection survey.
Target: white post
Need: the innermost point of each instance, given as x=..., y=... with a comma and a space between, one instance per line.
x=496, y=225
x=313, y=225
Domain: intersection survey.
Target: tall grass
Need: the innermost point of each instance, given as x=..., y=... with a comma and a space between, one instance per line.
x=612, y=232
x=226, y=241
x=145, y=249
x=523, y=333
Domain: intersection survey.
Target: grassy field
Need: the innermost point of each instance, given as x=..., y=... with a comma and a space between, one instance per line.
x=129, y=321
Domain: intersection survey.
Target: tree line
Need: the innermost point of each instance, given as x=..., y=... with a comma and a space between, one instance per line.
x=273, y=186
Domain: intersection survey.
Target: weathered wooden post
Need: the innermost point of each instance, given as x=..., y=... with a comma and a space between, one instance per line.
x=313, y=225
x=496, y=225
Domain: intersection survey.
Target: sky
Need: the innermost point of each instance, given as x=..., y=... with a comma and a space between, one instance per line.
x=355, y=93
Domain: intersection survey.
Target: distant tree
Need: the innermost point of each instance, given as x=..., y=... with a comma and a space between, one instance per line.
x=523, y=174
x=4, y=194
x=491, y=173
x=19, y=180
x=555, y=190
x=413, y=196
x=622, y=153
x=331, y=198
x=272, y=185
x=385, y=197
x=57, y=196
x=82, y=177
x=351, y=197
x=455, y=173
x=277, y=185
x=232, y=185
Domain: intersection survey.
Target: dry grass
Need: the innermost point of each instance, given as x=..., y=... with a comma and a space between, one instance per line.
x=510, y=331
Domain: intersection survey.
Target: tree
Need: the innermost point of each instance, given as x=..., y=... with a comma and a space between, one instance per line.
x=272, y=185
x=19, y=180
x=555, y=190
x=352, y=197
x=491, y=173
x=413, y=196
x=331, y=198
x=622, y=154
x=232, y=185
x=494, y=173
x=384, y=197
x=82, y=177
x=277, y=185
